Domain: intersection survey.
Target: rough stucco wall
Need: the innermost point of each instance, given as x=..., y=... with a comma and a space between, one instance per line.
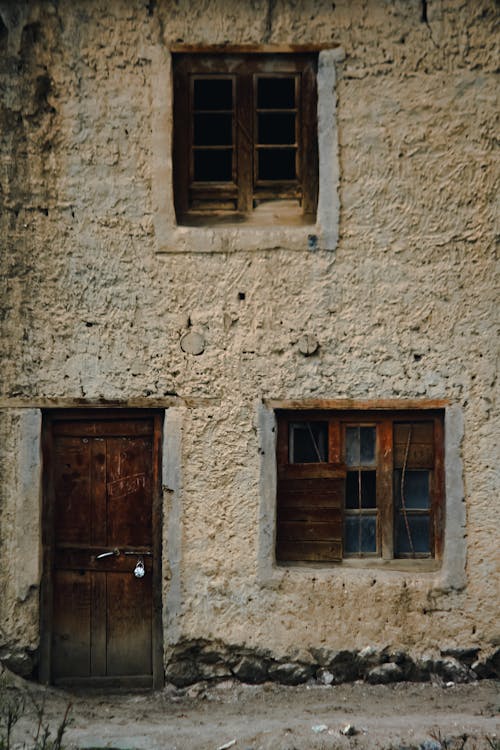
x=405, y=307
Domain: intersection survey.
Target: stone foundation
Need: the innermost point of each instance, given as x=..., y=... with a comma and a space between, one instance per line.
x=200, y=660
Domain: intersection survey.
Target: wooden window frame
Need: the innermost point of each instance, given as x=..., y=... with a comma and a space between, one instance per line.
x=211, y=201
x=290, y=476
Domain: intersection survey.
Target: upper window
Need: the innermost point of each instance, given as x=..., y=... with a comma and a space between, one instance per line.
x=245, y=138
x=359, y=485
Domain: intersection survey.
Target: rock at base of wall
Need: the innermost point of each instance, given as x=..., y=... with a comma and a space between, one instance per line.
x=17, y=661
x=182, y=673
x=250, y=669
x=290, y=673
x=385, y=673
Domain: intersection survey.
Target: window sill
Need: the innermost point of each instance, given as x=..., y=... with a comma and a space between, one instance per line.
x=276, y=213
x=244, y=237
x=398, y=566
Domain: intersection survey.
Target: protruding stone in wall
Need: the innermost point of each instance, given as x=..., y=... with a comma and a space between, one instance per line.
x=193, y=343
x=308, y=344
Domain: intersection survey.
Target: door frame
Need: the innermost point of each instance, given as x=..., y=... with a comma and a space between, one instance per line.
x=49, y=417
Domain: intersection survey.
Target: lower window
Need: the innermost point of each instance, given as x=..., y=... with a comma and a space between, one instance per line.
x=359, y=484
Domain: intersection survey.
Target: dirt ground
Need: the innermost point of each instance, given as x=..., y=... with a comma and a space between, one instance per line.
x=271, y=717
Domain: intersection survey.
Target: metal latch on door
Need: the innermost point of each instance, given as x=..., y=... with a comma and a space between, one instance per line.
x=139, y=570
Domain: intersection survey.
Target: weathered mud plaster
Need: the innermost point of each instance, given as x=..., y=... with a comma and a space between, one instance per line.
x=172, y=238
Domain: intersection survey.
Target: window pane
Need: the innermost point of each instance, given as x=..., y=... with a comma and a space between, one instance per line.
x=360, y=534
x=276, y=93
x=213, y=93
x=213, y=166
x=368, y=489
x=360, y=446
x=419, y=527
x=367, y=446
x=213, y=130
x=352, y=490
x=308, y=442
x=367, y=480
x=416, y=488
x=277, y=164
x=352, y=446
x=276, y=128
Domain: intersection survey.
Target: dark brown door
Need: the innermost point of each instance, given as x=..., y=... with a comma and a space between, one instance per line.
x=103, y=476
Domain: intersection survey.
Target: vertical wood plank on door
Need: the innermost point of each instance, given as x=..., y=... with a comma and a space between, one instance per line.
x=98, y=624
x=129, y=649
x=72, y=490
x=71, y=640
x=99, y=535
x=129, y=483
x=129, y=602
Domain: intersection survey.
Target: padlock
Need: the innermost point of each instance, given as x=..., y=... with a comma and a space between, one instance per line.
x=139, y=570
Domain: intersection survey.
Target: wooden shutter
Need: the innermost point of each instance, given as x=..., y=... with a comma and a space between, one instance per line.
x=309, y=504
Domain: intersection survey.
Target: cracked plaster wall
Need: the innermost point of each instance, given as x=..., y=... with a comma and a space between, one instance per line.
x=405, y=307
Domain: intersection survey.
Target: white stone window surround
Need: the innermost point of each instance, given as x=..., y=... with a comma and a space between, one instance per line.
x=173, y=238
x=442, y=575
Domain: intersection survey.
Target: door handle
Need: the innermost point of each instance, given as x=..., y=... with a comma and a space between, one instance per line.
x=115, y=552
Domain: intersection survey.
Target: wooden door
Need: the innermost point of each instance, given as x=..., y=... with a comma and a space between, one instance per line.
x=101, y=529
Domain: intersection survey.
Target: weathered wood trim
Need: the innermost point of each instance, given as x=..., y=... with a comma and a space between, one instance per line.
x=349, y=404
x=42, y=402
x=250, y=49
x=385, y=500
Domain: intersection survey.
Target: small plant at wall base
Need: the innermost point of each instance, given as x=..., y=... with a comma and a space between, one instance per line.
x=13, y=707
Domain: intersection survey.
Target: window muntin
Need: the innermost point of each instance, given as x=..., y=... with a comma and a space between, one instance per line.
x=245, y=134
x=385, y=471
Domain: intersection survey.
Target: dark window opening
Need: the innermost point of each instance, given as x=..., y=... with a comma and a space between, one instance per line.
x=245, y=134
x=213, y=166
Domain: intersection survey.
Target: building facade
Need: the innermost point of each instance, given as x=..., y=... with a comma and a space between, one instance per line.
x=249, y=339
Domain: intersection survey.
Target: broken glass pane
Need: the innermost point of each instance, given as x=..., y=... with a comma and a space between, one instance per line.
x=352, y=490
x=419, y=527
x=368, y=489
x=366, y=481
x=308, y=442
